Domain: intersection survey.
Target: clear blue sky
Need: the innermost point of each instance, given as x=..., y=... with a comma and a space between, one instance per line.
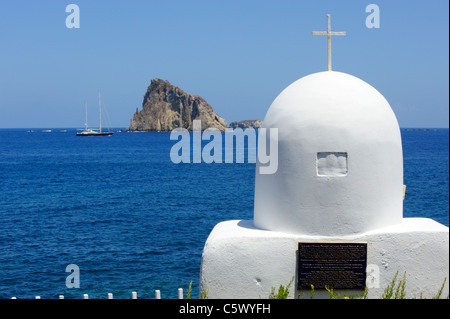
x=238, y=55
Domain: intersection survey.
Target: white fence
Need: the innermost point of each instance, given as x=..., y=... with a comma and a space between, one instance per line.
x=133, y=295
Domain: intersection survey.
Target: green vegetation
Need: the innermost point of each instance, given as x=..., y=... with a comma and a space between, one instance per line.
x=204, y=294
x=189, y=291
x=399, y=292
x=283, y=292
x=393, y=291
x=438, y=296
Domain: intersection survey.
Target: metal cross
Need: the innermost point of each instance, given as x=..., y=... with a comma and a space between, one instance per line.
x=329, y=34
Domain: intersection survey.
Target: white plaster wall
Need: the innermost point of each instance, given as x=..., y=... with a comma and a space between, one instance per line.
x=331, y=112
x=241, y=261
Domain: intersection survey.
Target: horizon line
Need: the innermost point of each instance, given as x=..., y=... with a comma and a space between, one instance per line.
x=121, y=127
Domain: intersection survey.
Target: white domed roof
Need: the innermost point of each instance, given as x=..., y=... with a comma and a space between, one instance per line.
x=340, y=163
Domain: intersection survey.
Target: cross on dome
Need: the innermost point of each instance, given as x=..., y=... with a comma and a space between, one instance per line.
x=329, y=34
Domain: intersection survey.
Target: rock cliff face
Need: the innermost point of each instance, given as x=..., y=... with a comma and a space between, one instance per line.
x=166, y=107
x=246, y=124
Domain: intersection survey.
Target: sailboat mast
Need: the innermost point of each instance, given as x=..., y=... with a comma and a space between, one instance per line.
x=100, y=110
x=85, y=112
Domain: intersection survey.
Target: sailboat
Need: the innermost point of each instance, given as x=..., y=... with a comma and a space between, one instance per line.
x=94, y=132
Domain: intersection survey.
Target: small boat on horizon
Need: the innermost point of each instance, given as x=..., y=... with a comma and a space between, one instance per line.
x=94, y=132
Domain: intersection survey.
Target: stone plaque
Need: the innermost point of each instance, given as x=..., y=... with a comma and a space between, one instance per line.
x=336, y=265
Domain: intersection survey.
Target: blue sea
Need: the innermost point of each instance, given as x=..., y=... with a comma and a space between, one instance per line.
x=131, y=220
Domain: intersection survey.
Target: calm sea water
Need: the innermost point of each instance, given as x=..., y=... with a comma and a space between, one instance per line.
x=131, y=219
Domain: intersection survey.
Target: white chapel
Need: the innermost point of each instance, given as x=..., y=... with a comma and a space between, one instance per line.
x=338, y=191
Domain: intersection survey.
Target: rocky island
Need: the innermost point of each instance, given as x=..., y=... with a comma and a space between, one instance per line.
x=166, y=107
